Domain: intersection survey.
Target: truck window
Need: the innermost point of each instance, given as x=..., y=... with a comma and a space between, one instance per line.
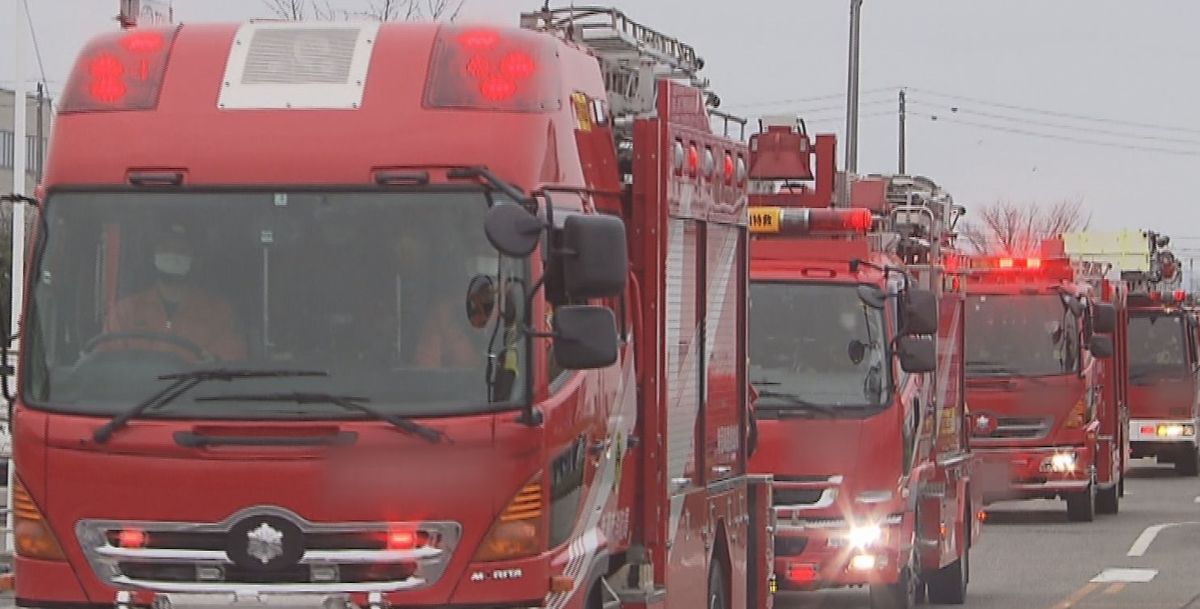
x=1021, y=335
x=800, y=343
x=368, y=287
x=1156, y=345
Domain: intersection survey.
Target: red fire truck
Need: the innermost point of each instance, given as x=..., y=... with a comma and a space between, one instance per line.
x=361, y=315
x=1046, y=409
x=856, y=333
x=1164, y=362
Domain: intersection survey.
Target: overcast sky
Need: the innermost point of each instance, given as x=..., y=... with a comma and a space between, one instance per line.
x=1062, y=99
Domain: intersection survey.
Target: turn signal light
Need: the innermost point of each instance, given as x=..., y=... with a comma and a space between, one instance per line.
x=517, y=533
x=30, y=530
x=1075, y=418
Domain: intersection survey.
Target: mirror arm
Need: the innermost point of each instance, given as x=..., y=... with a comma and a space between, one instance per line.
x=479, y=171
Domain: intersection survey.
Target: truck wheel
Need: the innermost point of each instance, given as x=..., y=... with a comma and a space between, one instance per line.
x=1081, y=506
x=1108, y=501
x=716, y=588
x=1188, y=464
x=900, y=595
x=948, y=585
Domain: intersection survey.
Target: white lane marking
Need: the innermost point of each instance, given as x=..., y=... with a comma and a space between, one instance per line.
x=1142, y=543
x=1114, y=575
x=1196, y=500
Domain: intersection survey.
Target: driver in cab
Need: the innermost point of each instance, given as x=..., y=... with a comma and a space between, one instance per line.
x=174, y=315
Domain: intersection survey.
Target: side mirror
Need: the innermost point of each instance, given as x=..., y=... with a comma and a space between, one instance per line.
x=920, y=312
x=585, y=337
x=512, y=230
x=595, y=261
x=871, y=296
x=1104, y=318
x=1101, y=346
x=917, y=354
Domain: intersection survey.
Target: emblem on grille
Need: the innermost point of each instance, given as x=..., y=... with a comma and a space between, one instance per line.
x=985, y=425
x=264, y=543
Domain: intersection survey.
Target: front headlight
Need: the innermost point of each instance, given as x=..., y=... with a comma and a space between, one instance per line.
x=1060, y=463
x=865, y=536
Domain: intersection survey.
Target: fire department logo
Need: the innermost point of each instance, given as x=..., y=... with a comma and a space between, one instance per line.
x=985, y=424
x=265, y=543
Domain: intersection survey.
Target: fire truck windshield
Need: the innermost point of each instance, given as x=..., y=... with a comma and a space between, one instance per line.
x=816, y=344
x=1021, y=335
x=1156, y=345
x=370, y=287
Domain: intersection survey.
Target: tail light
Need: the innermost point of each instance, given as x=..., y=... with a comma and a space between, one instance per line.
x=518, y=531
x=487, y=69
x=120, y=71
x=32, y=533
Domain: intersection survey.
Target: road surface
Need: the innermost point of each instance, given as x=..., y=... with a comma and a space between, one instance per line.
x=1032, y=558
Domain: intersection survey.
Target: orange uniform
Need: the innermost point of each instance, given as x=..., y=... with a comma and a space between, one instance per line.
x=444, y=344
x=198, y=317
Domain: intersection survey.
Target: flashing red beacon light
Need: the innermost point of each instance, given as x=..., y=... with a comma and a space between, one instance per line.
x=1033, y=263
x=803, y=221
x=119, y=71
x=1005, y=263
x=1180, y=295
x=1155, y=296
x=693, y=160
x=402, y=539
x=131, y=538
x=485, y=68
x=728, y=168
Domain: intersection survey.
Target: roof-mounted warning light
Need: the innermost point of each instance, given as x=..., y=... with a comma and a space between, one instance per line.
x=120, y=71
x=489, y=69
x=810, y=221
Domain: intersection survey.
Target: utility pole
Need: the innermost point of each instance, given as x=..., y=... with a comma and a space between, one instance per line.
x=902, y=117
x=17, y=261
x=40, y=146
x=851, y=104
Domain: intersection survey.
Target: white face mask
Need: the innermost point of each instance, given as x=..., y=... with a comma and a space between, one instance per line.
x=173, y=264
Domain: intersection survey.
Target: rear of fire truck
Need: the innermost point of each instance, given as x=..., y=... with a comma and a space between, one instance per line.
x=855, y=355
x=1036, y=333
x=344, y=315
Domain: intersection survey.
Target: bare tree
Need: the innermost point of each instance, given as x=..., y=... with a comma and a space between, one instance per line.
x=414, y=10
x=299, y=10
x=1007, y=228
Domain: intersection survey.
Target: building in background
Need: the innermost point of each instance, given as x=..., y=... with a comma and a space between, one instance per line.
x=11, y=145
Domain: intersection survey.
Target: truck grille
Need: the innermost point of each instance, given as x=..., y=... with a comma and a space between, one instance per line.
x=1021, y=428
x=268, y=549
x=791, y=494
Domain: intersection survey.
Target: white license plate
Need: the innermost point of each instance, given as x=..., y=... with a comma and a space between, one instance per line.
x=260, y=601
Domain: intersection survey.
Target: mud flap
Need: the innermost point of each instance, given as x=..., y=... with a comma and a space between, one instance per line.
x=760, y=549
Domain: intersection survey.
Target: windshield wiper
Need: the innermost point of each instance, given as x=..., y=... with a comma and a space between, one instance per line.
x=796, y=402
x=344, y=401
x=184, y=382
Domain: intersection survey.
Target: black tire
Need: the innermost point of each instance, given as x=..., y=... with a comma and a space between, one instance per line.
x=900, y=595
x=948, y=585
x=1188, y=464
x=1108, y=500
x=1081, y=506
x=716, y=588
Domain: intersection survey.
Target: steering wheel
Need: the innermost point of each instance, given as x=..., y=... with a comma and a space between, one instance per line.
x=171, y=339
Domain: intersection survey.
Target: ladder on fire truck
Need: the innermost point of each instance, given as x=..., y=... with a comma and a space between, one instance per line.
x=920, y=222
x=633, y=57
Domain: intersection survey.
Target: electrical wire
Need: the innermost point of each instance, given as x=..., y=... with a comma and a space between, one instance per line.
x=37, y=48
x=1062, y=138
x=802, y=100
x=1070, y=115
x=1052, y=125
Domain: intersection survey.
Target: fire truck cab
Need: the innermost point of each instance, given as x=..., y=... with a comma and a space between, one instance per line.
x=856, y=336
x=1044, y=415
x=396, y=314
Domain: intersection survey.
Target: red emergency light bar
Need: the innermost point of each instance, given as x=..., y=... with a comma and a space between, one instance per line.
x=1007, y=268
x=487, y=69
x=806, y=221
x=120, y=71
x=1164, y=297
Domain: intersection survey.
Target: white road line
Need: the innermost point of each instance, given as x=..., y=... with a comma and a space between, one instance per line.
x=1196, y=500
x=1142, y=543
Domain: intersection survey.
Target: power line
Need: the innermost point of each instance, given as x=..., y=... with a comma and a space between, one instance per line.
x=1064, y=138
x=37, y=48
x=815, y=98
x=1052, y=125
x=1070, y=115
